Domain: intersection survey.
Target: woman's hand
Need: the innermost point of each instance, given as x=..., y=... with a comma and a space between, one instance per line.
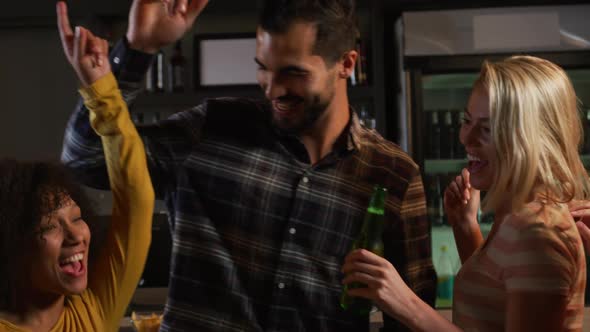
x=461, y=201
x=385, y=286
x=580, y=211
x=87, y=53
x=389, y=292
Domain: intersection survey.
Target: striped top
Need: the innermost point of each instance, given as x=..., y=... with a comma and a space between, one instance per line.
x=540, y=253
x=260, y=234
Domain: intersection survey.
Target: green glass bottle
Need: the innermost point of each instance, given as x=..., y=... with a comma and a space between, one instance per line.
x=370, y=238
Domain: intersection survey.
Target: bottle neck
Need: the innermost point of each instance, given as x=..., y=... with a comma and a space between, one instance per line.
x=377, y=203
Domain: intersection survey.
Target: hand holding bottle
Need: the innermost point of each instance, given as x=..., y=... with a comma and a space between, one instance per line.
x=461, y=201
x=385, y=287
x=157, y=23
x=370, y=239
x=87, y=53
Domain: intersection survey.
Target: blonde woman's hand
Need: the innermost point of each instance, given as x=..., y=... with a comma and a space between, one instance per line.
x=385, y=286
x=87, y=53
x=580, y=211
x=461, y=201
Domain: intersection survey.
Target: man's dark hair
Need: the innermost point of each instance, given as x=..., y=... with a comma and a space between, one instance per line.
x=335, y=21
x=28, y=192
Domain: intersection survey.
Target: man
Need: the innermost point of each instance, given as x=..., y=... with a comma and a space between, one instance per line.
x=266, y=197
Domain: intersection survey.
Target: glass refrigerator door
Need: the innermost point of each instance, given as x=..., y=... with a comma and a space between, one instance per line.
x=444, y=100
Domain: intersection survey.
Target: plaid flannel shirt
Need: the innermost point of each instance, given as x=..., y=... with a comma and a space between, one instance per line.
x=260, y=234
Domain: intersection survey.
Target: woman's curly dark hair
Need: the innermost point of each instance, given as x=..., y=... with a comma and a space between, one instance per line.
x=28, y=191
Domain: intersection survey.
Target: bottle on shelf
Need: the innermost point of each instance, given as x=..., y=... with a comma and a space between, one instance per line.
x=479, y=215
x=434, y=200
x=158, y=72
x=154, y=117
x=445, y=275
x=149, y=79
x=359, y=74
x=370, y=238
x=449, y=137
x=365, y=117
x=459, y=148
x=434, y=132
x=363, y=56
x=177, y=69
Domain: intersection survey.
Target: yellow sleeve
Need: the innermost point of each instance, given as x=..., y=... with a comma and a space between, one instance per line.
x=118, y=269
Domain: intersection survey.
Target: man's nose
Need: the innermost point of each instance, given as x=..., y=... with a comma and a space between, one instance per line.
x=274, y=89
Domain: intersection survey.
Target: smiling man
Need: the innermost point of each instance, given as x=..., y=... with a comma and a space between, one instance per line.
x=266, y=196
x=304, y=80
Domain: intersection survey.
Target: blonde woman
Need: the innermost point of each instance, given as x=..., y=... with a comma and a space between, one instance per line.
x=521, y=131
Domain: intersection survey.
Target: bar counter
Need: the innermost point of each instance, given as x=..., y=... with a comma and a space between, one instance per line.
x=153, y=299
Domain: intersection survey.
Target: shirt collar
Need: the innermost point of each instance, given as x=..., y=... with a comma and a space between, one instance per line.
x=352, y=134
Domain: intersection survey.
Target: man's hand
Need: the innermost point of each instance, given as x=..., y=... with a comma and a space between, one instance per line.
x=87, y=53
x=580, y=210
x=157, y=23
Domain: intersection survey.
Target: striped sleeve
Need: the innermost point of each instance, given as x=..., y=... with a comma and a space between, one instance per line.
x=536, y=257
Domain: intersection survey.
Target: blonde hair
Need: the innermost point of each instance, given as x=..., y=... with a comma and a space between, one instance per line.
x=537, y=132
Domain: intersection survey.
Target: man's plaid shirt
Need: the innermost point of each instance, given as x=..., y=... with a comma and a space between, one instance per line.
x=259, y=234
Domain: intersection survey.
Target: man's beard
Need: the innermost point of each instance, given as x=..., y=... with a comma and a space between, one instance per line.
x=311, y=113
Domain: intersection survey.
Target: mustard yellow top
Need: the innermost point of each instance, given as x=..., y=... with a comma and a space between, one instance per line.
x=114, y=277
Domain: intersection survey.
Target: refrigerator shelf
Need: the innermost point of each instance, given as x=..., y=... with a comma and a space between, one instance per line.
x=436, y=166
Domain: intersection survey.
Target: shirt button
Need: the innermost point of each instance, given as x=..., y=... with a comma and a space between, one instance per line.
x=116, y=60
x=292, y=231
x=305, y=179
x=281, y=285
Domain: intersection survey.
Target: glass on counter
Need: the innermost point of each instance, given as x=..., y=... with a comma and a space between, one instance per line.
x=146, y=321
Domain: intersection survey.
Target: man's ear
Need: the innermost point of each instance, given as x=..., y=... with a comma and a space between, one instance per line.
x=348, y=62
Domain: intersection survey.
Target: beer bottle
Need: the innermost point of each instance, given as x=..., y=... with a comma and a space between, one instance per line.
x=448, y=137
x=370, y=238
x=459, y=148
x=177, y=69
x=158, y=72
x=435, y=136
x=434, y=201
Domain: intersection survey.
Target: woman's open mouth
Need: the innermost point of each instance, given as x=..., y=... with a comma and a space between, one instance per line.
x=73, y=266
x=475, y=164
